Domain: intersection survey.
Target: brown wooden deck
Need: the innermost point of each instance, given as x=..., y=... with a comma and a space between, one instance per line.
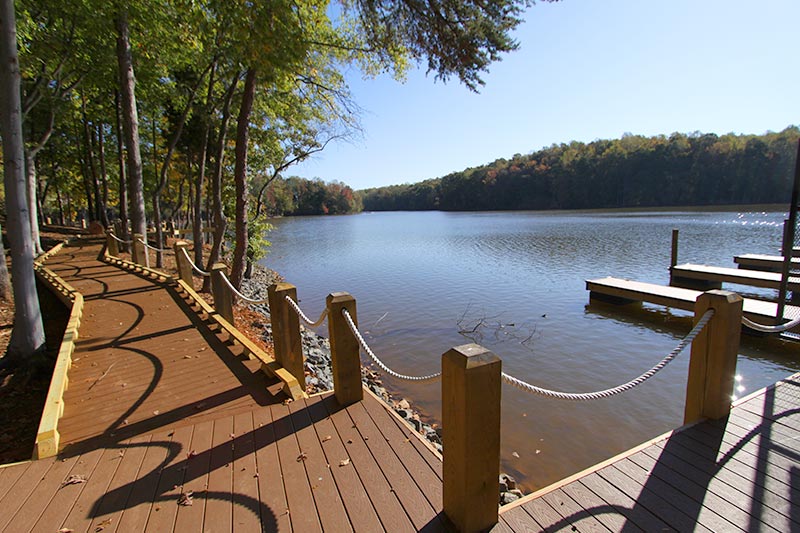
x=737, y=474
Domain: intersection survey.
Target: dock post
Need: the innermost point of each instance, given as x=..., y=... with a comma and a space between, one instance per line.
x=674, y=256
x=712, y=369
x=223, y=299
x=111, y=243
x=286, y=337
x=184, y=268
x=138, y=250
x=345, y=358
x=471, y=391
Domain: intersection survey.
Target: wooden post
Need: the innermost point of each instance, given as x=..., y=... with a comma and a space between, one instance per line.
x=139, y=251
x=286, y=337
x=712, y=369
x=223, y=299
x=111, y=244
x=184, y=268
x=674, y=259
x=471, y=390
x=345, y=357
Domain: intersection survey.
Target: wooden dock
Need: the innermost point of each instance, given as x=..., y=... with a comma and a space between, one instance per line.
x=167, y=428
x=707, y=277
x=767, y=263
x=621, y=291
x=734, y=474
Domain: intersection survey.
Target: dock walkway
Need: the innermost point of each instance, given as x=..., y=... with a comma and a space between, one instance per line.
x=705, y=277
x=767, y=263
x=735, y=474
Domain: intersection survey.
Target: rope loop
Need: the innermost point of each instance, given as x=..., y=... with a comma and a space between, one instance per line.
x=369, y=352
x=239, y=294
x=118, y=239
x=527, y=387
x=152, y=247
x=303, y=316
x=779, y=328
x=194, y=267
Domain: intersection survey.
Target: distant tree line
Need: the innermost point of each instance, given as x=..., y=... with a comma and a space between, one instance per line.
x=299, y=196
x=634, y=171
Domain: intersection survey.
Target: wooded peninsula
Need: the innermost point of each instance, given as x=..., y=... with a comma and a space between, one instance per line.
x=694, y=169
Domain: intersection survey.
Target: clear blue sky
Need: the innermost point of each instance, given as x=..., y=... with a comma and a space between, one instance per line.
x=586, y=70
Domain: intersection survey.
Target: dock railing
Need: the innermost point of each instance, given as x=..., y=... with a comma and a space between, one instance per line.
x=472, y=378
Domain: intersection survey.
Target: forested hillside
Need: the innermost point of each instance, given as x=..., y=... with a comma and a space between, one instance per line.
x=634, y=171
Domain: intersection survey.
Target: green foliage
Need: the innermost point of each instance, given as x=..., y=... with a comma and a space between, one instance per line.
x=298, y=196
x=257, y=242
x=634, y=171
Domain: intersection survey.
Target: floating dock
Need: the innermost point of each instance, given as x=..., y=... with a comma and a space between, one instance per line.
x=706, y=277
x=766, y=263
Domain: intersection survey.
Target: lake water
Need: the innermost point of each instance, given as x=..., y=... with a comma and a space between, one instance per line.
x=515, y=280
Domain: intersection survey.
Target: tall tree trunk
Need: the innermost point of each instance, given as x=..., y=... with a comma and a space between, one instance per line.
x=28, y=335
x=240, y=178
x=123, y=182
x=30, y=181
x=89, y=141
x=5, y=288
x=219, y=216
x=101, y=154
x=60, y=206
x=130, y=121
x=197, y=221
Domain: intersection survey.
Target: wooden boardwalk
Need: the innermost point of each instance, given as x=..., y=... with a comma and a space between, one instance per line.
x=737, y=474
x=167, y=429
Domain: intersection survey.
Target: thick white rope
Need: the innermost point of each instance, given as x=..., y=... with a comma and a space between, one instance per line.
x=118, y=239
x=303, y=316
x=239, y=294
x=369, y=352
x=152, y=247
x=527, y=387
x=194, y=267
x=780, y=328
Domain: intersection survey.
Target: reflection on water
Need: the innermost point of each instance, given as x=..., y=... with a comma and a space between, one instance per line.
x=423, y=271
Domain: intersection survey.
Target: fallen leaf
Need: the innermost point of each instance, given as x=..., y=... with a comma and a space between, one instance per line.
x=515, y=454
x=344, y=462
x=302, y=457
x=156, y=412
x=326, y=438
x=74, y=479
x=233, y=435
x=65, y=530
x=191, y=454
x=102, y=525
x=287, y=401
x=185, y=499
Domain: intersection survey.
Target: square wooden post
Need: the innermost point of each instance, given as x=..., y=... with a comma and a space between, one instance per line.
x=471, y=392
x=111, y=244
x=712, y=369
x=223, y=299
x=184, y=268
x=139, y=253
x=345, y=358
x=286, y=337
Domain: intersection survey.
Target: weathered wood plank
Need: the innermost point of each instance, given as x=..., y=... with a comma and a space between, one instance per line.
x=275, y=513
x=328, y=502
x=353, y=493
x=380, y=491
x=295, y=479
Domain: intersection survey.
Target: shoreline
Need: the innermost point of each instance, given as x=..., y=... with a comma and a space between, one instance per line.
x=319, y=378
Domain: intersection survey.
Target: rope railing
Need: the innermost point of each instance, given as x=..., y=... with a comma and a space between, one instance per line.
x=371, y=354
x=779, y=328
x=303, y=316
x=147, y=245
x=122, y=241
x=586, y=396
x=194, y=267
x=239, y=294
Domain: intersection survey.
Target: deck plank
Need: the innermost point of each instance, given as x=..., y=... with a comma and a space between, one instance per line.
x=380, y=491
x=218, y=509
x=43, y=493
x=573, y=512
x=22, y=489
x=197, y=462
x=165, y=507
x=356, y=501
x=246, y=505
x=275, y=509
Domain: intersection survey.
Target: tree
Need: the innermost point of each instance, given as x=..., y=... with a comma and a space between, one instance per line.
x=27, y=338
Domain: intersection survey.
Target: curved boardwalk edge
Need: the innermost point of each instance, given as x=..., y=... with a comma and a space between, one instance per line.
x=47, y=436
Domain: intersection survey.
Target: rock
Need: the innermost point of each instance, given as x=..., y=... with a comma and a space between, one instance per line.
x=503, y=486
x=510, y=481
x=508, y=497
x=403, y=404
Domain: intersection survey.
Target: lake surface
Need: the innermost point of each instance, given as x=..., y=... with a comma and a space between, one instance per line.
x=514, y=281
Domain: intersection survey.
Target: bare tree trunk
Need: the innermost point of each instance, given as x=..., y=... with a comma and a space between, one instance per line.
x=30, y=180
x=240, y=178
x=5, y=287
x=219, y=216
x=60, y=206
x=130, y=120
x=123, y=185
x=101, y=154
x=197, y=221
x=28, y=335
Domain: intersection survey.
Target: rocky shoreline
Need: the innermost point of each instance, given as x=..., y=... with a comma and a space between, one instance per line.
x=319, y=377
